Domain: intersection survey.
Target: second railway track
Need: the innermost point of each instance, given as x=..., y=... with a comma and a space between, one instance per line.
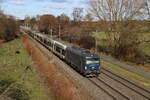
x=109, y=90
x=118, y=87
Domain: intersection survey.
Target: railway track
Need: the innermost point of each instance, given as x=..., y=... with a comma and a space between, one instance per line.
x=123, y=90
x=119, y=88
x=110, y=91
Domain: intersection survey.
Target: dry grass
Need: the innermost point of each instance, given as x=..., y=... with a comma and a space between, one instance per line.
x=62, y=87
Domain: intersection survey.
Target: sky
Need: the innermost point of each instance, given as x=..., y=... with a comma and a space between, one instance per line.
x=22, y=8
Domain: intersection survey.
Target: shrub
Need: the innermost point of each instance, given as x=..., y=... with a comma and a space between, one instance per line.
x=105, y=48
x=87, y=42
x=8, y=28
x=19, y=93
x=4, y=84
x=135, y=55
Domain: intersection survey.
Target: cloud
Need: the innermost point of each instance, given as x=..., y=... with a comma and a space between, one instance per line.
x=57, y=1
x=55, y=7
x=17, y=2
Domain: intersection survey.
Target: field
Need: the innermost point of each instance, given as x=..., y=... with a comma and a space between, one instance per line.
x=145, y=47
x=18, y=78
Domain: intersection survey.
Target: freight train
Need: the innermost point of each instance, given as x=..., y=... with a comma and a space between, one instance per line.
x=82, y=60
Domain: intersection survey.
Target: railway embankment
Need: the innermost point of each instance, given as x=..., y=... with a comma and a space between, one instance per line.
x=18, y=77
x=61, y=86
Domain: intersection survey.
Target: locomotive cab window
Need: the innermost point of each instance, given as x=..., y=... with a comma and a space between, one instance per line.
x=92, y=61
x=63, y=52
x=58, y=49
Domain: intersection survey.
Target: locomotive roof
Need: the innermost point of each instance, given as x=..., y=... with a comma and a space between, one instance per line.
x=83, y=52
x=61, y=44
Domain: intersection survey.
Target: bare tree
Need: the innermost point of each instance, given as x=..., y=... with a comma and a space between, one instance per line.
x=116, y=10
x=27, y=20
x=1, y=11
x=88, y=17
x=121, y=22
x=63, y=18
x=77, y=14
x=63, y=21
x=147, y=2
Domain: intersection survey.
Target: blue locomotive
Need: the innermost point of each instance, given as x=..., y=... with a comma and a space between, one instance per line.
x=83, y=61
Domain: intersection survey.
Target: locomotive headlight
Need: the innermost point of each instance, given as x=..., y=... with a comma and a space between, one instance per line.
x=85, y=67
x=88, y=62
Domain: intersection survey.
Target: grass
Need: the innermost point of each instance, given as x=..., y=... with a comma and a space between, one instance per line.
x=13, y=65
x=145, y=48
x=100, y=35
x=144, y=81
x=147, y=36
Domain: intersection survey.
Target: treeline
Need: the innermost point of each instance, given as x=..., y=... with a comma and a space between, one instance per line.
x=73, y=31
x=123, y=31
x=9, y=27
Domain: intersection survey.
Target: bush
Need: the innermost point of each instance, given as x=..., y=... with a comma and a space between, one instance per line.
x=19, y=93
x=87, y=42
x=106, y=49
x=8, y=28
x=135, y=55
x=4, y=84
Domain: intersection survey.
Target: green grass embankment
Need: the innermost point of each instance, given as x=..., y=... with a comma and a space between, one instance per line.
x=16, y=79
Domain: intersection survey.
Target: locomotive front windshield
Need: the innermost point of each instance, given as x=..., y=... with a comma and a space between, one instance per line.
x=92, y=61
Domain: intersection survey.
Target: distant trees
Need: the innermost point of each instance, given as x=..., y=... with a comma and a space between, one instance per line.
x=30, y=21
x=77, y=14
x=1, y=11
x=88, y=17
x=63, y=23
x=63, y=27
x=63, y=19
x=47, y=23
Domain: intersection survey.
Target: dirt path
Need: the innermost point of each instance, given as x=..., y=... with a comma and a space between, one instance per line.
x=62, y=87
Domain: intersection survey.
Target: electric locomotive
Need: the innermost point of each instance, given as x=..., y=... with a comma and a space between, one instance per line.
x=82, y=60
